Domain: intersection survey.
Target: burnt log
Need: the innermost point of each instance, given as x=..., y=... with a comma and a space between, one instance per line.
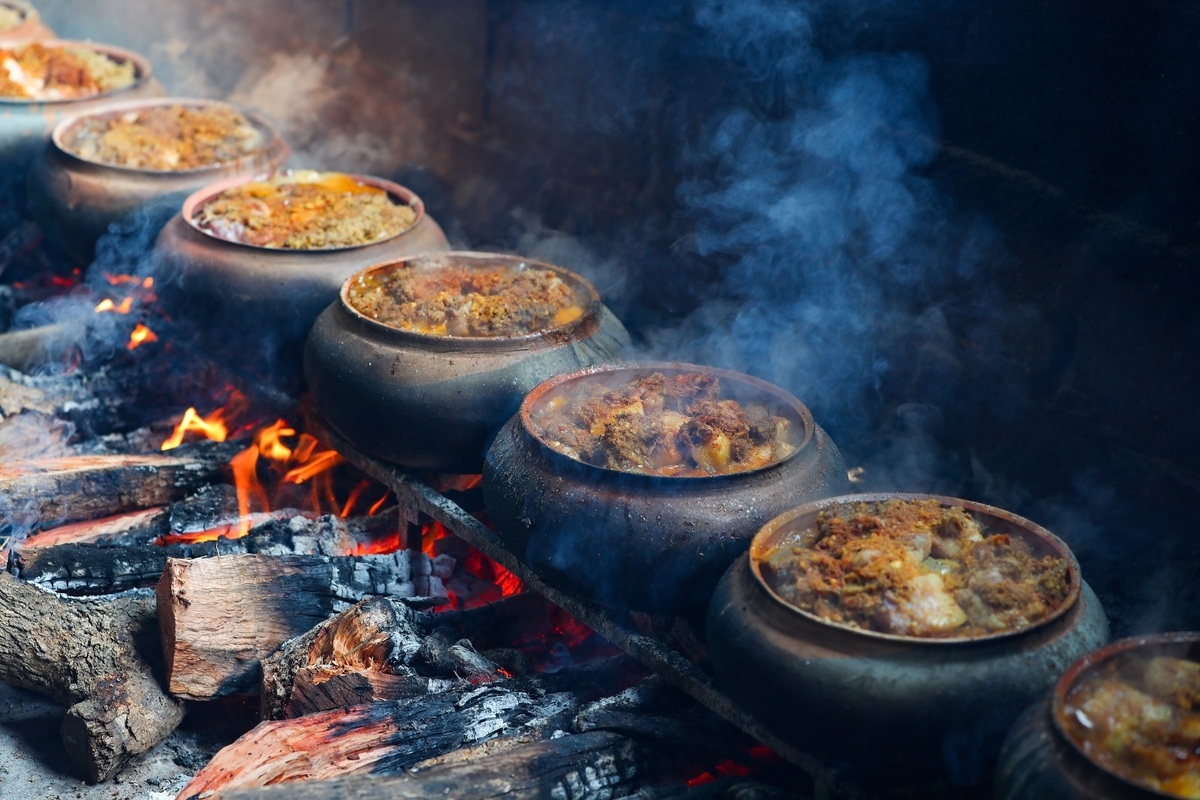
x=378, y=738
x=586, y=766
x=28, y=348
x=219, y=617
x=381, y=649
x=101, y=568
x=104, y=529
x=88, y=487
x=98, y=658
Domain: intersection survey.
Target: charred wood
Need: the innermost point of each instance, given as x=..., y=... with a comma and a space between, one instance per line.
x=220, y=616
x=380, y=649
x=95, y=656
x=133, y=525
x=95, y=568
x=29, y=348
x=87, y=487
x=587, y=766
x=378, y=738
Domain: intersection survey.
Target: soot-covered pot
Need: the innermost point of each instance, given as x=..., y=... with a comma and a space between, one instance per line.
x=26, y=122
x=75, y=195
x=432, y=400
x=1047, y=755
x=894, y=709
x=20, y=22
x=635, y=539
x=252, y=305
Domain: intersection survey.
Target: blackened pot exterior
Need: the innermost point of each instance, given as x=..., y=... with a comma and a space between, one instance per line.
x=25, y=125
x=641, y=542
x=892, y=712
x=75, y=200
x=252, y=307
x=1039, y=762
x=433, y=402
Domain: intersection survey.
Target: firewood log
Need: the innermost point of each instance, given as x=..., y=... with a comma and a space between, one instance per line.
x=88, y=487
x=378, y=738
x=102, y=568
x=586, y=766
x=90, y=655
x=381, y=649
x=221, y=616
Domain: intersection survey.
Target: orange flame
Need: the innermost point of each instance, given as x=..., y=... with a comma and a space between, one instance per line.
x=140, y=336
x=210, y=427
x=215, y=426
x=107, y=304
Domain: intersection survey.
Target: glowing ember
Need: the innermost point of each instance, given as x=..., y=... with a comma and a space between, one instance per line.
x=107, y=304
x=140, y=336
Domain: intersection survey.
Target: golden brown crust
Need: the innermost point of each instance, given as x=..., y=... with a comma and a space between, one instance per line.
x=676, y=425
x=174, y=137
x=917, y=568
x=450, y=300
x=38, y=72
x=310, y=212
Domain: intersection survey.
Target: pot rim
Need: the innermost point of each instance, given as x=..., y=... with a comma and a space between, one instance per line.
x=198, y=198
x=757, y=384
x=398, y=335
x=766, y=536
x=141, y=66
x=1091, y=661
x=273, y=141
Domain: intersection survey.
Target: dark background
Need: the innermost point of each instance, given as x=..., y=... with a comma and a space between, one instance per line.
x=1027, y=338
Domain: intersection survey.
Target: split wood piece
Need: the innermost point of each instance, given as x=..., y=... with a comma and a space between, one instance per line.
x=377, y=738
x=87, y=487
x=29, y=348
x=380, y=649
x=96, y=568
x=95, y=656
x=92, y=531
x=594, y=766
x=221, y=616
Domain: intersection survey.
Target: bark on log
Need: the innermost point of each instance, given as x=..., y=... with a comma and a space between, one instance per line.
x=87, y=487
x=221, y=616
x=586, y=766
x=378, y=738
x=95, y=656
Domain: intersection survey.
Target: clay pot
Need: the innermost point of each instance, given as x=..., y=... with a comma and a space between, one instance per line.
x=1041, y=761
x=251, y=307
x=643, y=542
x=31, y=27
x=894, y=710
x=25, y=125
x=433, y=402
x=75, y=200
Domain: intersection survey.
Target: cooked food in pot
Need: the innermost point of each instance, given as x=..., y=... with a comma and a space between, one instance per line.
x=306, y=211
x=37, y=72
x=1139, y=717
x=444, y=299
x=915, y=568
x=680, y=425
x=170, y=137
x=10, y=17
